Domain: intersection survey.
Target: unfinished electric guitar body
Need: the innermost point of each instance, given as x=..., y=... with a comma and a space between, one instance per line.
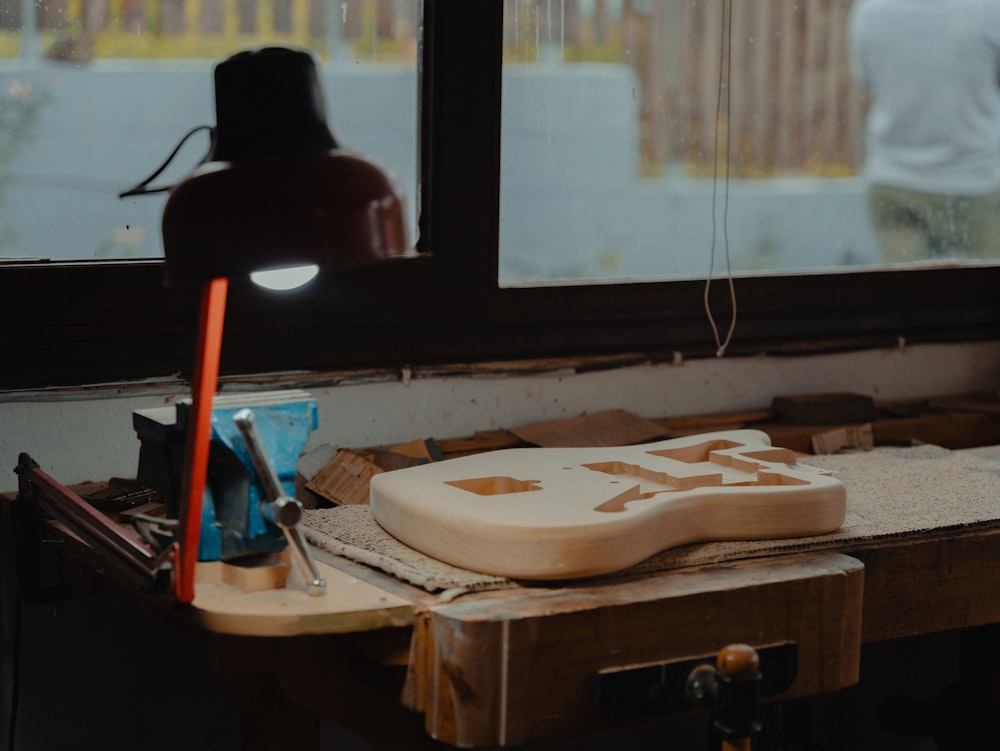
x=562, y=513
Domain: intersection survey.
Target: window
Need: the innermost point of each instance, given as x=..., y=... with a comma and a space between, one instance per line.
x=86, y=322
x=94, y=96
x=637, y=135
x=641, y=140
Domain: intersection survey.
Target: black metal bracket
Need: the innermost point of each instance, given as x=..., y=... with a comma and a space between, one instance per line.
x=132, y=559
x=26, y=529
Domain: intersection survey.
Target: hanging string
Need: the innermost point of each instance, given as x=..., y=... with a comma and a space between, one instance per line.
x=725, y=79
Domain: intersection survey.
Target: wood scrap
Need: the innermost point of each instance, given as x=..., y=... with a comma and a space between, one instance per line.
x=843, y=437
x=481, y=440
x=825, y=409
x=421, y=448
x=345, y=479
x=967, y=403
x=686, y=424
x=613, y=427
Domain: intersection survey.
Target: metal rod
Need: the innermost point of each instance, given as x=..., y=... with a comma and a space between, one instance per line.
x=315, y=584
x=265, y=472
x=281, y=509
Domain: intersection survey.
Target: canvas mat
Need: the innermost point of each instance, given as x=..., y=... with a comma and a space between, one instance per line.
x=890, y=492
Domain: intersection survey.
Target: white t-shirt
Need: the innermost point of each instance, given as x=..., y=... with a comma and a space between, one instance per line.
x=932, y=69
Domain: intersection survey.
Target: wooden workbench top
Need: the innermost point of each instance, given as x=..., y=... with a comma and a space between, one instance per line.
x=349, y=605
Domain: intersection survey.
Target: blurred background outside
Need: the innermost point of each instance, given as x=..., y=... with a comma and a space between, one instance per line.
x=634, y=131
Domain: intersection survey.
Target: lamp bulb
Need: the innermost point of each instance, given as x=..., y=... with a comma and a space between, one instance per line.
x=285, y=279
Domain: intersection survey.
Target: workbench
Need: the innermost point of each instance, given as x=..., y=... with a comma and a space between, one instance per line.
x=518, y=664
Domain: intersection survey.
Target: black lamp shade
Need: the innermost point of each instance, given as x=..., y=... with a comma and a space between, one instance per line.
x=268, y=102
x=276, y=190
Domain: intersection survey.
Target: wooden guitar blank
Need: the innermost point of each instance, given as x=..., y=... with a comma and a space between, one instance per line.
x=562, y=513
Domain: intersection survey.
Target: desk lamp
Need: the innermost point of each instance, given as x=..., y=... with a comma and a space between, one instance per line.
x=275, y=193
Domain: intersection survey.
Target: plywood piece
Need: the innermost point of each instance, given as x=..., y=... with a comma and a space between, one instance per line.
x=349, y=605
x=613, y=427
x=481, y=440
x=675, y=427
x=825, y=409
x=569, y=513
x=967, y=403
x=419, y=449
x=388, y=461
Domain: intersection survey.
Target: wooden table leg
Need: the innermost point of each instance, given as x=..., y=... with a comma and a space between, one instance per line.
x=286, y=688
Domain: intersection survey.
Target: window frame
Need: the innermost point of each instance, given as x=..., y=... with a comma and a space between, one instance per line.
x=88, y=322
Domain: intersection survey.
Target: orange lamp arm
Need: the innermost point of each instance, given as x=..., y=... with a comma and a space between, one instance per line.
x=199, y=429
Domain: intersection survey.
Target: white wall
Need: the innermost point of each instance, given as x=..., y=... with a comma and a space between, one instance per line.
x=87, y=435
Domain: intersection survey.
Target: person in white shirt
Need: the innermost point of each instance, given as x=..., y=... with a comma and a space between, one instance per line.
x=931, y=69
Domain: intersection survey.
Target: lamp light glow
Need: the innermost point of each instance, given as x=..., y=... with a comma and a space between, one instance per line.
x=282, y=280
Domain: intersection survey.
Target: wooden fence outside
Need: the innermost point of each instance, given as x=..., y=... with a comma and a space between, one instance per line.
x=771, y=76
x=777, y=89
x=392, y=18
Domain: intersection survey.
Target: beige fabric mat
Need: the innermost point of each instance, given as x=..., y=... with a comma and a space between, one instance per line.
x=890, y=492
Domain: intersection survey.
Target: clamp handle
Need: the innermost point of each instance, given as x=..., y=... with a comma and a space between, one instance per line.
x=731, y=689
x=281, y=508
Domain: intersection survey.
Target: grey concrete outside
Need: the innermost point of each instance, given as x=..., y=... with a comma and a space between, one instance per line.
x=572, y=204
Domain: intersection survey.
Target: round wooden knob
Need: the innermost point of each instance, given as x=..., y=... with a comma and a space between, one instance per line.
x=738, y=661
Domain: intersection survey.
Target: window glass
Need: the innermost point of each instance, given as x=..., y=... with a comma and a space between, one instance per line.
x=665, y=138
x=95, y=94
x=434, y=309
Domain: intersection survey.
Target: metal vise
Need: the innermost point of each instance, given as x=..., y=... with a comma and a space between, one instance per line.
x=235, y=513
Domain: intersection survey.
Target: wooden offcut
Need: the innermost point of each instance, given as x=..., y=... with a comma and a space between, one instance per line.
x=345, y=479
x=252, y=576
x=825, y=409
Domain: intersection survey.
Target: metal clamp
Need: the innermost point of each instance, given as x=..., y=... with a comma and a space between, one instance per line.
x=731, y=690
